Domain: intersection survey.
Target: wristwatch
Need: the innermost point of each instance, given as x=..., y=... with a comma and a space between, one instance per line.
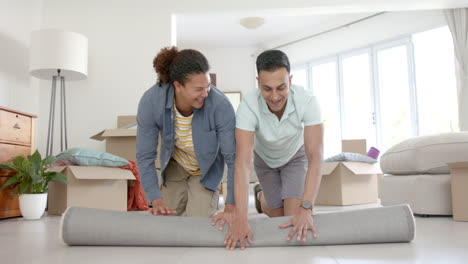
x=306, y=204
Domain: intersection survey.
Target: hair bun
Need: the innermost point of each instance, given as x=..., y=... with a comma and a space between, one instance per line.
x=162, y=62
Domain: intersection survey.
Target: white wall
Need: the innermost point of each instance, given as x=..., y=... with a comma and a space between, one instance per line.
x=234, y=67
x=17, y=19
x=384, y=27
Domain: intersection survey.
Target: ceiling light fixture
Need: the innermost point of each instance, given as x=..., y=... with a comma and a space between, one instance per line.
x=252, y=22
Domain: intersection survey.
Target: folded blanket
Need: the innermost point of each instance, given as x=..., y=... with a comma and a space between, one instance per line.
x=349, y=156
x=136, y=195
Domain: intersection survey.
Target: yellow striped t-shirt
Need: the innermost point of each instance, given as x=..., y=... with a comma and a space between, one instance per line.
x=184, y=153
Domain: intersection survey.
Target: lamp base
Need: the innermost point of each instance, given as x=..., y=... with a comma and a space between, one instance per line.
x=63, y=115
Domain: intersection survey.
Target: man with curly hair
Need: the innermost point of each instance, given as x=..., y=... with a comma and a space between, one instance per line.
x=195, y=122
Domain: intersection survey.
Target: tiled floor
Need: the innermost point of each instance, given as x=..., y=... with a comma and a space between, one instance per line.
x=438, y=240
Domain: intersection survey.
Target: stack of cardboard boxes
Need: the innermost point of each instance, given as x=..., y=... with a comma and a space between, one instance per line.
x=98, y=187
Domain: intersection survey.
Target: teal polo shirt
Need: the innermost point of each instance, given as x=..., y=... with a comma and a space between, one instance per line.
x=276, y=141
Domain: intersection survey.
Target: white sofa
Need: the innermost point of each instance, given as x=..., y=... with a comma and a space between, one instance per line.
x=416, y=172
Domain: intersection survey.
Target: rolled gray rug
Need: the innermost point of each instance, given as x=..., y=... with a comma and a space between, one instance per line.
x=96, y=227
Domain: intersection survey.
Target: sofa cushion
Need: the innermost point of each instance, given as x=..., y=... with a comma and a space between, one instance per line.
x=426, y=154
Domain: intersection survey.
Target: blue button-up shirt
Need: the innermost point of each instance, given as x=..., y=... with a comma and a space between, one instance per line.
x=212, y=131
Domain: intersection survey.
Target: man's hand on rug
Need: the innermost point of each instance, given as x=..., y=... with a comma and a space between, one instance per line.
x=160, y=208
x=239, y=232
x=224, y=217
x=301, y=223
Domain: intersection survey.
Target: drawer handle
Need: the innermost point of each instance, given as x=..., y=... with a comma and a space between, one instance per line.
x=16, y=126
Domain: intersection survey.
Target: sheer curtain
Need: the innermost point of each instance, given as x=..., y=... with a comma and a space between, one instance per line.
x=457, y=20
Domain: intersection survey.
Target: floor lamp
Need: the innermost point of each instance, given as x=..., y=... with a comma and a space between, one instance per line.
x=58, y=55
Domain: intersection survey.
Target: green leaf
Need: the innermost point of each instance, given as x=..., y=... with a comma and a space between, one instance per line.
x=36, y=175
x=12, y=181
x=26, y=166
x=49, y=160
x=24, y=188
x=18, y=161
x=27, y=183
x=19, y=176
x=35, y=163
x=57, y=176
x=37, y=188
x=8, y=166
x=36, y=179
x=36, y=157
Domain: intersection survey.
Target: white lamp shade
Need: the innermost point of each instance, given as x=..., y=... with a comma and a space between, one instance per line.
x=54, y=49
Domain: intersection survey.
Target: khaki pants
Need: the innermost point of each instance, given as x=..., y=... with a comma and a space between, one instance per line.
x=185, y=194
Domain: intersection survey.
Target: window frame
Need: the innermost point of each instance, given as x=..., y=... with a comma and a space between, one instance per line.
x=375, y=90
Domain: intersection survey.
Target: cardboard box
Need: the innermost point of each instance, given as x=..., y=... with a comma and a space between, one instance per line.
x=121, y=141
x=459, y=183
x=124, y=121
x=348, y=183
x=91, y=187
x=354, y=145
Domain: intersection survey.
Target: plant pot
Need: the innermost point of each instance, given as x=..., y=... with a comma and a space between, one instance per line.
x=32, y=206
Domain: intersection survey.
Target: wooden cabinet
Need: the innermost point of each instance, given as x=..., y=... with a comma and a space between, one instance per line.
x=16, y=138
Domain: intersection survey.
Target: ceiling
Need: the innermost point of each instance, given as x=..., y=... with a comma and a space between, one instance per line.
x=224, y=30
x=285, y=21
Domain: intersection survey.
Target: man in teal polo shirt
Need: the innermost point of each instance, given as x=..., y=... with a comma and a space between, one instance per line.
x=279, y=126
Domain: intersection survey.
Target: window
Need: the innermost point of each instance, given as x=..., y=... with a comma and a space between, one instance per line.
x=435, y=81
x=386, y=93
x=325, y=87
x=300, y=77
x=394, y=95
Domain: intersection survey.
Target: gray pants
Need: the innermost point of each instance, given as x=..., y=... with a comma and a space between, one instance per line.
x=283, y=182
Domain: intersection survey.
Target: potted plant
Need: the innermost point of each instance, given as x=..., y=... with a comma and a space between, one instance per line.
x=31, y=181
